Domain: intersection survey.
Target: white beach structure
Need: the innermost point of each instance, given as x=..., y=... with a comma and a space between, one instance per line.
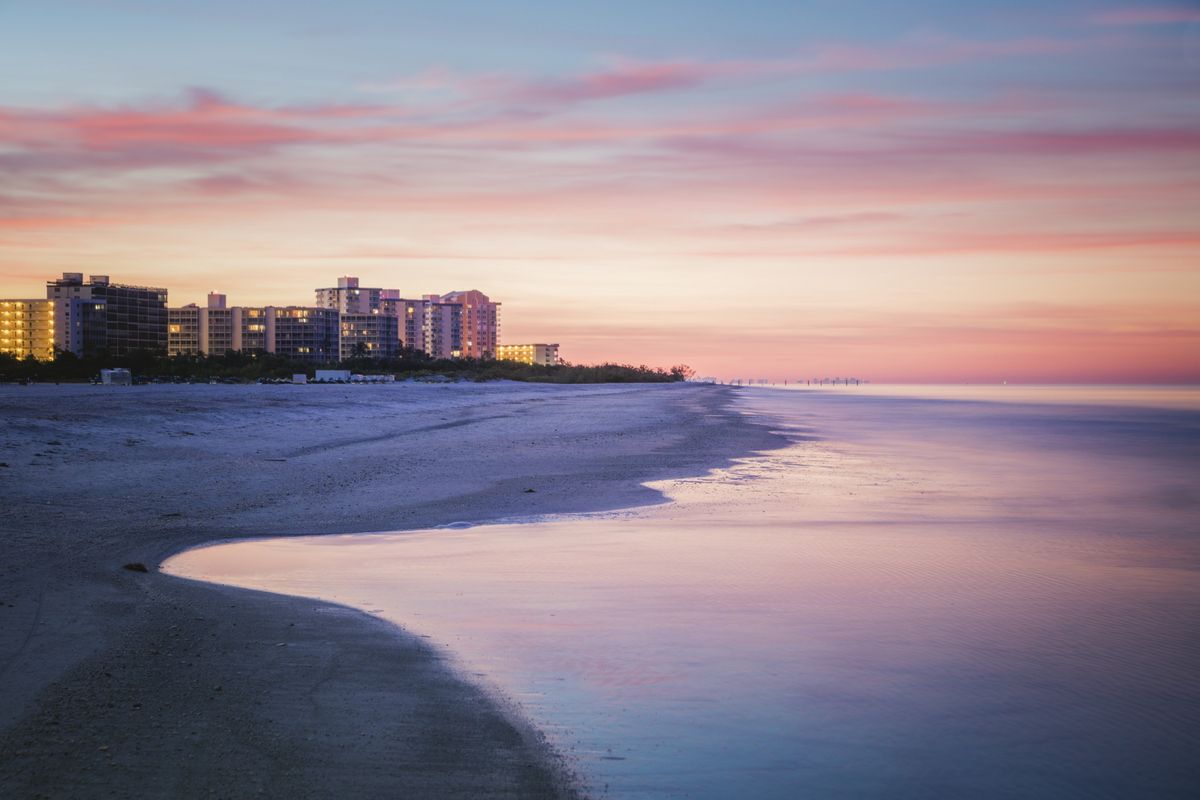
x=118, y=376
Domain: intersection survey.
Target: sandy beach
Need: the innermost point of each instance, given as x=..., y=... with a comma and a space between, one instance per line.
x=128, y=684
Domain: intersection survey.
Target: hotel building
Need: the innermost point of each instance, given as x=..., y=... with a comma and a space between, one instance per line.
x=101, y=316
x=303, y=333
x=183, y=330
x=456, y=325
x=349, y=298
x=442, y=329
x=252, y=325
x=27, y=328
x=543, y=354
x=410, y=318
x=215, y=329
x=478, y=324
x=371, y=335
x=429, y=325
x=98, y=316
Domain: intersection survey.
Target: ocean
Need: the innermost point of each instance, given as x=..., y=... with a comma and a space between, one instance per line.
x=985, y=592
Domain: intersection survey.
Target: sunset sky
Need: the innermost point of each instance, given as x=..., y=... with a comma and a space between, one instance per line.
x=935, y=190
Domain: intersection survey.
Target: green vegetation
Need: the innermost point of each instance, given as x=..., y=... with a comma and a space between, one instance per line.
x=249, y=367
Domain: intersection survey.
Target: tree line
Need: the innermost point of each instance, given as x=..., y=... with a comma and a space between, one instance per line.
x=243, y=366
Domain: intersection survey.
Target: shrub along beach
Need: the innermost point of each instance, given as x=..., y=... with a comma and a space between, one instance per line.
x=250, y=366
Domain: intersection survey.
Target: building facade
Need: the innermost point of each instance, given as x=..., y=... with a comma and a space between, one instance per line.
x=100, y=316
x=27, y=328
x=370, y=335
x=412, y=318
x=303, y=333
x=479, y=323
x=544, y=354
x=350, y=298
x=462, y=324
x=183, y=330
x=215, y=329
x=251, y=325
x=96, y=316
x=441, y=330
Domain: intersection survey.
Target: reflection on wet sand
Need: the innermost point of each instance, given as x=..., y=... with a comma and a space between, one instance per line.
x=921, y=597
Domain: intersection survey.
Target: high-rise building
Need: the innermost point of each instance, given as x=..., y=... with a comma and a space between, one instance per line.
x=219, y=330
x=183, y=330
x=27, y=328
x=544, y=354
x=371, y=335
x=303, y=333
x=441, y=329
x=252, y=324
x=410, y=317
x=101, y=316
x=215, y=329
x=479, y=323
x=349, y=298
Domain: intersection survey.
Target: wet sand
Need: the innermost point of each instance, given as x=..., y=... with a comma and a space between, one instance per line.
x=127, y=684
x=921, y=597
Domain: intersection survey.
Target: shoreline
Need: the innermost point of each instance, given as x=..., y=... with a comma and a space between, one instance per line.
x=117, y=677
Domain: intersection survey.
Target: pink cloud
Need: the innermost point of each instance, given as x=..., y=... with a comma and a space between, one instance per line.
x=630, y=78
x=205, y=122
x=902, y=149
x=933, y=242
x=633, y=79
x=1161, y=15
x=1082, y=142
x=225, y=183
x=53, y=223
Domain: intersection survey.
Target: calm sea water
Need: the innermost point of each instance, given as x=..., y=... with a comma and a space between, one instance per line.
x=932, y=593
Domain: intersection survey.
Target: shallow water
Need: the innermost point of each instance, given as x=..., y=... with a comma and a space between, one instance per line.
x=922, y=597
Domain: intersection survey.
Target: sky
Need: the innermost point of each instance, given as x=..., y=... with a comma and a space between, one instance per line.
x=929, y=191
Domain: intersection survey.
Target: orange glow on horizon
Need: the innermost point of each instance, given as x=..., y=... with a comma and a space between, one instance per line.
x=839, y=208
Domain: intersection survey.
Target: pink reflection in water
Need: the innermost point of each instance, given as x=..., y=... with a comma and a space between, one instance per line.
x=933, y=596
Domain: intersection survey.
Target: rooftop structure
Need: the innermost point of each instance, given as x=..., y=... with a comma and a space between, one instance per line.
x=350, y=298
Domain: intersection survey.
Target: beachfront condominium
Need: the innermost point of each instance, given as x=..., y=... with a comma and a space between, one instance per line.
x=442, y=329
x=479, y=323
x=543, y=354
x=410, y=319
x=27, y=328
x=350, y=298
x=429, y=325
x=295, y=332
x=461, y=324
x=183, y=330
x=216, y=328
x=303, y=333
x=98, y=316
x=374, y=335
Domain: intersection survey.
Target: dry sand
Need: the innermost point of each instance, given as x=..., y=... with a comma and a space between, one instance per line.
x=126, y=684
